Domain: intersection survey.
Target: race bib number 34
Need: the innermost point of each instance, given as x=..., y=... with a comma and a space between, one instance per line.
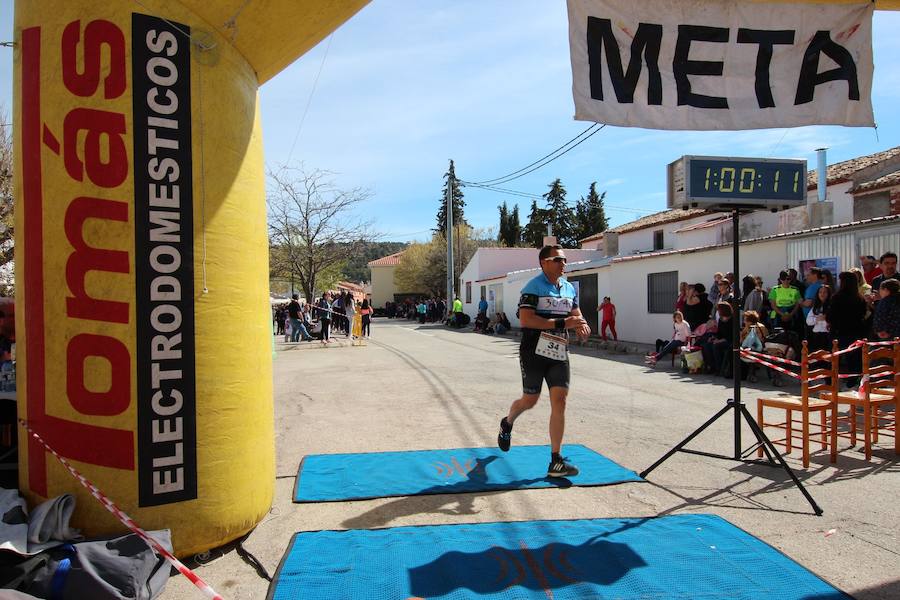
x=552, y=346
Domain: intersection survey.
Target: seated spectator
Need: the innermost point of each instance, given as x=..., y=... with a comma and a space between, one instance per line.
x=481, y=323
x=717, y=346
x=503, y=324
x=886, y=324
x=681, y=333
x=752, y=337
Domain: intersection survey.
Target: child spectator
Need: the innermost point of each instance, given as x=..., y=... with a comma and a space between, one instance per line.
x=366, y=312
x=819, y=333
x=681, y=332
x=715, y=347
x=887, y=312
x=608, y=310
x=682, y=295
x=752, y=342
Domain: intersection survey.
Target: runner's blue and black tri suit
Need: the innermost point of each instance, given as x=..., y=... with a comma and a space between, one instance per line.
x=551, y=302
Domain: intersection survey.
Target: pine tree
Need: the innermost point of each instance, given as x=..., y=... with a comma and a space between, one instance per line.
x=504, y=224
x=515, y=227
x=458, y=202
x=560, y=215
x=590, y=217
x=533, y=234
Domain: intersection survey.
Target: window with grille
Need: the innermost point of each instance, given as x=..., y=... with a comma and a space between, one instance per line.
x=662, y=291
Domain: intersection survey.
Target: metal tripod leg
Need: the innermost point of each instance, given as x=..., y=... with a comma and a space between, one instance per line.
x=686, y=441
x=757, y=430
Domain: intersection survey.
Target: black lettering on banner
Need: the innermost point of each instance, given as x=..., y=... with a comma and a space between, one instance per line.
x=164, y=262
x=647, y=41
x=682, y=66
x=766, y=41
x=809, y=72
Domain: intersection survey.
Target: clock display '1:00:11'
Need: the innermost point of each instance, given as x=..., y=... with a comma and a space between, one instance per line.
x=747, y=181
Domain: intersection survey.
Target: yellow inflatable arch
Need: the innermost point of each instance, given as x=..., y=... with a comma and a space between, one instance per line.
x=143, y=329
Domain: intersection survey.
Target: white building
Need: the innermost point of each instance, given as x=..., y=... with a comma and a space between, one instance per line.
x=639, y=264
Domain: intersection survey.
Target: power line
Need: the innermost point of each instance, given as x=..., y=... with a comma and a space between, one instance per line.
x=509, y=192
x=496, y=179
x=309, y=100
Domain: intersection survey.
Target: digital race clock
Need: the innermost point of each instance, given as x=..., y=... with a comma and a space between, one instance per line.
x=726, y=183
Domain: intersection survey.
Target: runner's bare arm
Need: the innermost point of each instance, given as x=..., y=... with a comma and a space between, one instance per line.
x=529, y=320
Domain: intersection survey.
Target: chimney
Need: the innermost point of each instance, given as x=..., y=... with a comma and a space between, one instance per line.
x=822, y=173
x=549, y=239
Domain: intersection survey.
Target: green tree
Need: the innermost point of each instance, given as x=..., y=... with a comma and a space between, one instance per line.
x=536, y=229
x=423, y=268
x=510, y=234
x=590, y=216
x=7, y=234
x=458, y=203
x=560, y=215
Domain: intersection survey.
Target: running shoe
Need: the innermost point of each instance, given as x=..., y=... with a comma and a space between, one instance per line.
x=560, y=468
x=504, y=438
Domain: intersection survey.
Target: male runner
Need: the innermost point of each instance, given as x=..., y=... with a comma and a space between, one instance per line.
x=548, y=305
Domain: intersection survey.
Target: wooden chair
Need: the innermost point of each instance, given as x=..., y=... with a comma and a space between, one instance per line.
x=812, y=382
x=881, y=365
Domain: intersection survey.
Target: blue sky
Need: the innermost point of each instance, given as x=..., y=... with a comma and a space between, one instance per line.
x=406, y=85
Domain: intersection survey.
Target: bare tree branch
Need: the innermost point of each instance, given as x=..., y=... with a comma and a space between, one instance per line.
x=312, y=224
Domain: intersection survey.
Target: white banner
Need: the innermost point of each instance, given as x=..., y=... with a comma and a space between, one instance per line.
x=721, y=64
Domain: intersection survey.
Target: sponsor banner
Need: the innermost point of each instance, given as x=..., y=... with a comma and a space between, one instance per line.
x=164, y=261
x=719, y=64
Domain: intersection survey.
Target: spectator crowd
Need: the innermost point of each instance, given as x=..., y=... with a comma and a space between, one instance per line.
x=333, y=312
x=862, y=303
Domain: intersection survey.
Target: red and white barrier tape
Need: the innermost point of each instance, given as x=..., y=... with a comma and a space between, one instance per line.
x=126, y=520
x=769, y=357
x=770, y=365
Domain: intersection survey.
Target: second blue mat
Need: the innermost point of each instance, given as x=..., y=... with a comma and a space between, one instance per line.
x=679, y=557
x=333, y=477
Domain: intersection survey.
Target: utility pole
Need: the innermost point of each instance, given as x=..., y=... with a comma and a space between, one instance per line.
x=450, y=274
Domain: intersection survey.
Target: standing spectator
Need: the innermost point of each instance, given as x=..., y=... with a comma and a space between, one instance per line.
x=870, y=268
x=754, y=295
x=457, y=312
x=280, y=318
x=682, y=295
x=846, y=321
x=681, y=332
x=819, y=334
x=482, y=306
x=421, y=310
x=366, y=312
x=795, y=282
x=813, y=283
x=324, y=306
x=888, y=264
x=697, y=306
x=349, y=312
x=786, y=301
x=714, y=288
x=608, y=311
x=887, y=313
x=827, y=277
x=294, y=316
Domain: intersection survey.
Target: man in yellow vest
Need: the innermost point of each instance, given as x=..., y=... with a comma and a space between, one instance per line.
x=457, y=312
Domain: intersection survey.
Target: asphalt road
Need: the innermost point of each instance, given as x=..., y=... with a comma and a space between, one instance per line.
x=421, y=387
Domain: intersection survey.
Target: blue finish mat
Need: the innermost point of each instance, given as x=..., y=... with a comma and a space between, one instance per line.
x=679, y=557
x=331, y=477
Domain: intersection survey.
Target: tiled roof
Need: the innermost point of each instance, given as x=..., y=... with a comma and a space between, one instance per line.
x=816, y=230
x=387, y=261
x=660, y=218
x=591, y=238
x=705, y=224
x=889, y=180
x=843, y=171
